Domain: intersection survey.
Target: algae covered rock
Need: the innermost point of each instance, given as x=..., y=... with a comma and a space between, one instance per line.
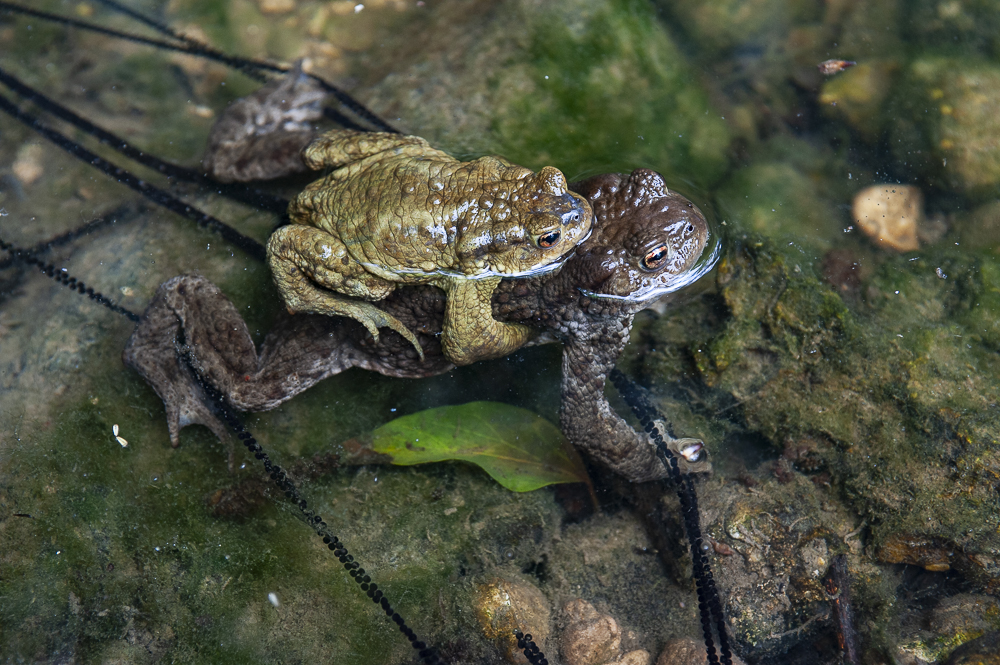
x=858, y=94
x=965, y=26
x=952, y=630
x=947, y=124
x=790, y=193
x=589, y=86
x=772, y=541
x=722, y=25
x=901, y=397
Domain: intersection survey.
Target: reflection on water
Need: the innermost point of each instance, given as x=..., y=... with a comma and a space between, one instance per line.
x=840, y=362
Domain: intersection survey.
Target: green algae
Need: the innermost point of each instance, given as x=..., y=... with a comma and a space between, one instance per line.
x=903, y=399
x=945, y=124
x=121, y=554
x=612, y=61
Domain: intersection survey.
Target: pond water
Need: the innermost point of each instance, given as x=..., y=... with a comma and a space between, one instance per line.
x=845, y=380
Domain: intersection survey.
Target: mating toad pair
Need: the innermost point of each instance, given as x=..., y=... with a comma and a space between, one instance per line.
x=491, y=257
x=396, y=211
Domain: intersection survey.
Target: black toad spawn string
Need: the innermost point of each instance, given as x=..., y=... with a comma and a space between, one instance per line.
x=709, y=605
x=427, y=653
x=183, y=44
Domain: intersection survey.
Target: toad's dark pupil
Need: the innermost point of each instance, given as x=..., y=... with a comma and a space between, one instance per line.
x=653, y=259
x=548, y=239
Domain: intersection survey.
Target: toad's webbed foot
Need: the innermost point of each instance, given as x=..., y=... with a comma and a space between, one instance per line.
x=261, y=136
x=191, y=335
x=153, y=351
x=365, y=313
x=304, y=259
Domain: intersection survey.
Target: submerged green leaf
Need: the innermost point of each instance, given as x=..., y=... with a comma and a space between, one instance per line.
x=521, y=450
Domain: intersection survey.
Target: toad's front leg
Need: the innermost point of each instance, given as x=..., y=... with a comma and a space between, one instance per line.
x=470, y=332
x=590, y=423
x=315, y=273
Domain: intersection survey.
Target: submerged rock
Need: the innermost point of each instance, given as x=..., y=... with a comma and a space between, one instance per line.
x=858, y=94
x=590, y=638
x=893, y=404
x=954, y=629
x=890, y=215
x=591, y=86
x=503, y=606
x=686, y=651
x=947, y=123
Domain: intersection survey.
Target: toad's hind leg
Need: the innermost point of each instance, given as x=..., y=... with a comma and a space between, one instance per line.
x=470, y=332
x=315, y=273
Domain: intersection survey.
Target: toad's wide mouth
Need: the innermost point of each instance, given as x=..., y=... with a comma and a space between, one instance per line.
x=660, y=287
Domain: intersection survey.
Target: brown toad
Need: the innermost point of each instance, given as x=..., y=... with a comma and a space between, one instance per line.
x=646, y=242
x=396, y=211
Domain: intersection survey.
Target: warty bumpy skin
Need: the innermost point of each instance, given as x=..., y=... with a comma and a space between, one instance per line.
x=396, y=211
x=646, y=240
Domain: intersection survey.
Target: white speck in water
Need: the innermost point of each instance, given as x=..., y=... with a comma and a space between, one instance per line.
x=393, y=410
x=122, y=441
x=358, y=8
x=58, y=551
x=897, y=293
x=850, y=177
x=273, y=598
x=546, y=77
x=156, y=549
x=208, y=246
x=940, y=273
x=114, y=428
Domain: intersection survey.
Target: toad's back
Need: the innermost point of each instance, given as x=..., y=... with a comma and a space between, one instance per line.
x=414, y=209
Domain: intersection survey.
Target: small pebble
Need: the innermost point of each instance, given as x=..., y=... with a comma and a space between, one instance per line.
x=687, y=651
x=591, y=638
x=275, y=6
x=27, y=167
x=890, y=215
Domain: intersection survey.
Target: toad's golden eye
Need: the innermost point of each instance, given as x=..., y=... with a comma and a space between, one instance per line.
x=548, y=239
x=655, y=258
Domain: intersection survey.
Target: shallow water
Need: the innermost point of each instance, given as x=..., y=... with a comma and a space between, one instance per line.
x=847, y=391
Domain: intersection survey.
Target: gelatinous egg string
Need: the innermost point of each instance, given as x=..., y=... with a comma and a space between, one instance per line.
x=427, y=653
x=241, y=192
x=155, y=194
x=709, y=604
x=64, y=278
x=184, y=44
x=120, y=213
